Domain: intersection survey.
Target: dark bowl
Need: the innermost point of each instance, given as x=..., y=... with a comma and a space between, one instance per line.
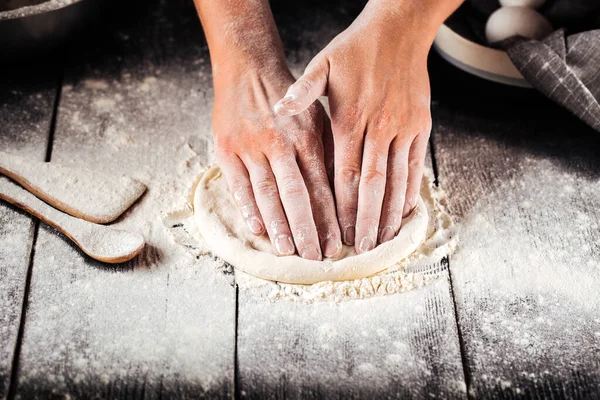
x=35, y=30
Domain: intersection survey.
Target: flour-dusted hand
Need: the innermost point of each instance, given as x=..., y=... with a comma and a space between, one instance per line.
x=375, y=75
x=274, y=166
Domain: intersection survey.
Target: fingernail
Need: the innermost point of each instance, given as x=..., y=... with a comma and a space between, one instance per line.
x=387, y=234
x=246, y=211
x=311, y=253
x=349, y=234
x=407, y=209
x=332, y=247
x=280, y=106
x=366, y=244
x=284, y=245
x=255, y=225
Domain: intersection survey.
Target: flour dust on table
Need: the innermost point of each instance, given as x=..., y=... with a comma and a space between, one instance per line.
x=211, y=224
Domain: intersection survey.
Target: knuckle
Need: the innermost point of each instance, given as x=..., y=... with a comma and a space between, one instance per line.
x=304, y=84
x=240, y=190
x=306, y=142
x=327, y=222
x=270, y=125
x=420, y=124
x=426, y=121
x=266, y=189
x=350, y=174
x=223, y=143
x=352, y=123
x=277, y=226
x=322, y=193
x=348, y=211
x=382, y=121
x=315, y=64
x=398, y=174
x=369, y=225
x=292, y=186
x=393, y=207
x=427, y=126
x=223, y=153
x=373, y=177
x=303, y=233
x=416, y=162
x=392, y=219
x=403, y=141
x=369, y=221
x=247, y=210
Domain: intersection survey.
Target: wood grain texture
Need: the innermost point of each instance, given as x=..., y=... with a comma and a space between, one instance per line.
x=524, y=177
x=26, y=107
x=136, y=99
x=398, y=346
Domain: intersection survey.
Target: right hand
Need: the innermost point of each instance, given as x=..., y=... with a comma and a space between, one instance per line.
x=274, y=165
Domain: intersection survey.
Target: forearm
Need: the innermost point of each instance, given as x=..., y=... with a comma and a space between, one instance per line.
x=420, y=18
x=240, y=33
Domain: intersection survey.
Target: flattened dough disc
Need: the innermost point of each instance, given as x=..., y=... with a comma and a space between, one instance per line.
x=226, y=234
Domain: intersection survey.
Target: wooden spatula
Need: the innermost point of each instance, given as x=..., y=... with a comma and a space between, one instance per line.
x=80, y=192
x=100, y=242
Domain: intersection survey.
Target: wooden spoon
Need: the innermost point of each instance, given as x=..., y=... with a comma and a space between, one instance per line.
x=100, y=242
x=80, y=192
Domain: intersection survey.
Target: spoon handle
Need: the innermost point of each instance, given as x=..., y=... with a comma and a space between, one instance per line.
x=21, y=198
x=75, y=229
x=80, y=192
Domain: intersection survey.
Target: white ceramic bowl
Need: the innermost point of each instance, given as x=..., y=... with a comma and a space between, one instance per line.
x=484, y=62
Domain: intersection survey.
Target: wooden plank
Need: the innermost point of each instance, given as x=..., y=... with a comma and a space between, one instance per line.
x=26, y=106
x=396, y=346
x=136, y=100
x=524, y=176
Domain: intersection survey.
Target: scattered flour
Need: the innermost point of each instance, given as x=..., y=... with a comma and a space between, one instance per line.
x=526, y=290
x=95, y=324
x=425, y=264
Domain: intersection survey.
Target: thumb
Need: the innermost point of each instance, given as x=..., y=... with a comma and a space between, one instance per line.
x=305, y=91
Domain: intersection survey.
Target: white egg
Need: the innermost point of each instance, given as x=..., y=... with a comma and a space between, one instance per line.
x=522, y=3
x=507, y=22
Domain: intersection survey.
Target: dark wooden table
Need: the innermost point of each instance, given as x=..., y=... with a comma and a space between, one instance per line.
x=516, y=316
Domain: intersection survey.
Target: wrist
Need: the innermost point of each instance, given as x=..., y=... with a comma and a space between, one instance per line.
x=240, y=60
x=414, y=20
x=270, y=76
x=248, y=67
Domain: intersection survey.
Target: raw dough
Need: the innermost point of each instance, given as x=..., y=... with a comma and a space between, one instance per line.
x=225, y=232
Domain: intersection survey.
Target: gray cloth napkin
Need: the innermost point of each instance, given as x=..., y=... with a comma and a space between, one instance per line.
x=564, y=67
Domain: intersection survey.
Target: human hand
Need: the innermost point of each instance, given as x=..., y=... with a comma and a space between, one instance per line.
x=375, y=75
x=274, y=166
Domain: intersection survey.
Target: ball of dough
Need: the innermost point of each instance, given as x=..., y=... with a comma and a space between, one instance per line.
x=522, y=3
x=507, y=22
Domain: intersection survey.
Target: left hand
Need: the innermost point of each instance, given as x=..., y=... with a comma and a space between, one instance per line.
x=375, y=75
